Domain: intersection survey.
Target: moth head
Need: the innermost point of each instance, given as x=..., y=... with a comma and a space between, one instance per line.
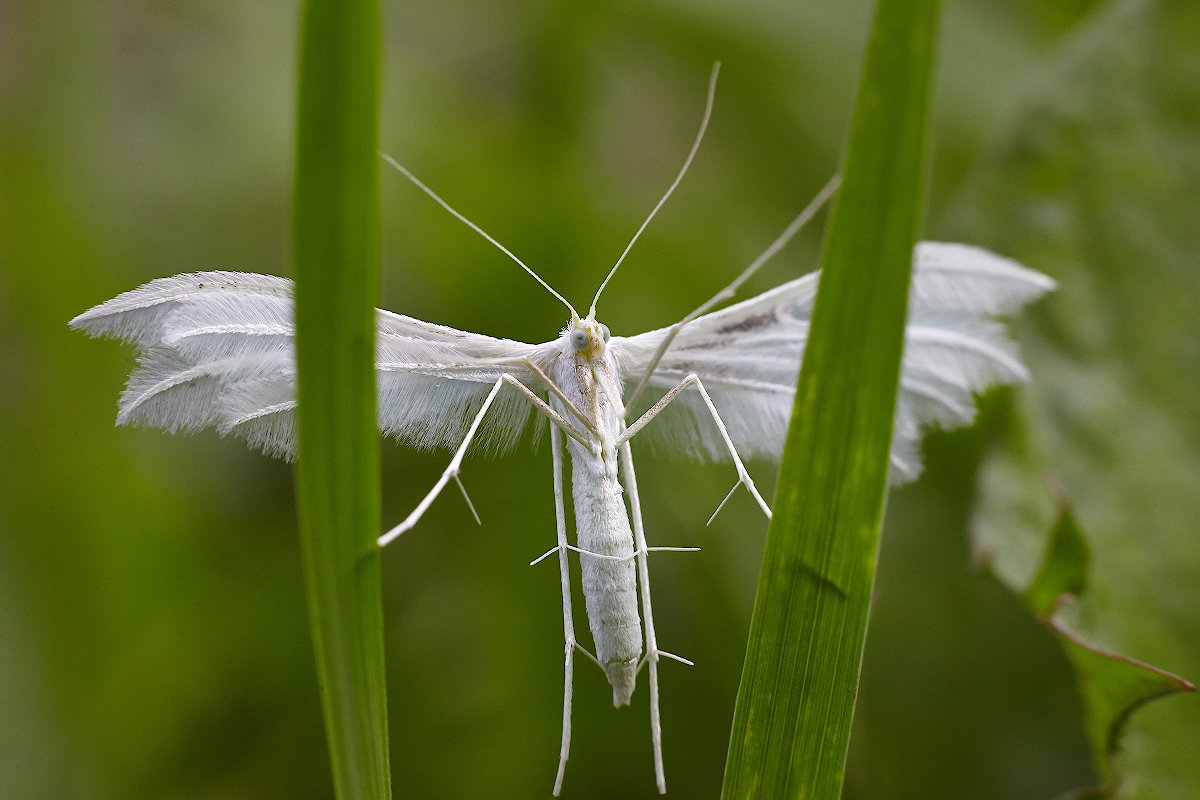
x=588, y=338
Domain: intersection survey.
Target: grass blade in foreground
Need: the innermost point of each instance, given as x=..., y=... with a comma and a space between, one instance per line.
x=795, y=703
x=336, y=251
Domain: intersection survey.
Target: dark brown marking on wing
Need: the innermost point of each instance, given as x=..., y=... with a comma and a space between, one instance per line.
x=751, y=323
x=703, y=344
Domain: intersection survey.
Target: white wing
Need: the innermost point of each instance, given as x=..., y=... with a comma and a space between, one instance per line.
x=216, y=349
x=748, y=356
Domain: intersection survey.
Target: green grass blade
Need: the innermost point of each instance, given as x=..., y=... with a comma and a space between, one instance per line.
x=336, y=250
x=796, y=699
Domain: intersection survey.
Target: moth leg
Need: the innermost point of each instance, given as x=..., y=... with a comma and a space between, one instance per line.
x=541, y=405
x=560, y=519
x=557, y=392
x=743, y=475
x=607, y=557
x=455, y=466
x=652, y=651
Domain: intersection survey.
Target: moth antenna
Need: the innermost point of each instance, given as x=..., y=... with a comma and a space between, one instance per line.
x=729, y=291
x=708, y=106
x=417, y=182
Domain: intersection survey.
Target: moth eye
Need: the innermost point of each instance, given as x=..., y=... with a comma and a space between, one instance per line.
x=579, y=339
x=604, y=331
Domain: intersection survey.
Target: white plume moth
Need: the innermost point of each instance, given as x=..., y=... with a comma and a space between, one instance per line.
x=216, y=350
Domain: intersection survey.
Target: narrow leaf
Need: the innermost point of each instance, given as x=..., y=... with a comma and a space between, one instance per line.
x=796, y=700
x=336, y=252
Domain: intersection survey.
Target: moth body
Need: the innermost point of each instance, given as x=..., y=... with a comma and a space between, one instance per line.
x=585, y=372
x=608, y=570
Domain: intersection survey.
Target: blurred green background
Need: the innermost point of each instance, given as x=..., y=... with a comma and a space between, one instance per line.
x=153, y=639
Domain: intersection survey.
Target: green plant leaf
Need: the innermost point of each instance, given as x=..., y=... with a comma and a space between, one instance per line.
x=796, y=698
x=1064, y=568
x=1112, y=685
x=336, y=251
x=1095, y=185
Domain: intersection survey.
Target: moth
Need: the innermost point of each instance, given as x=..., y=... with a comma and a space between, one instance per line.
x=216, y=349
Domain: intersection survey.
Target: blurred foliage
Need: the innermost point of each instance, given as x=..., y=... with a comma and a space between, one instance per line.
x=1099, y=185
x=151, y=611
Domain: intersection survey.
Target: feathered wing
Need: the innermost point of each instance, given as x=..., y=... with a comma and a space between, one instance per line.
x=216, y=349
x=748, y=356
